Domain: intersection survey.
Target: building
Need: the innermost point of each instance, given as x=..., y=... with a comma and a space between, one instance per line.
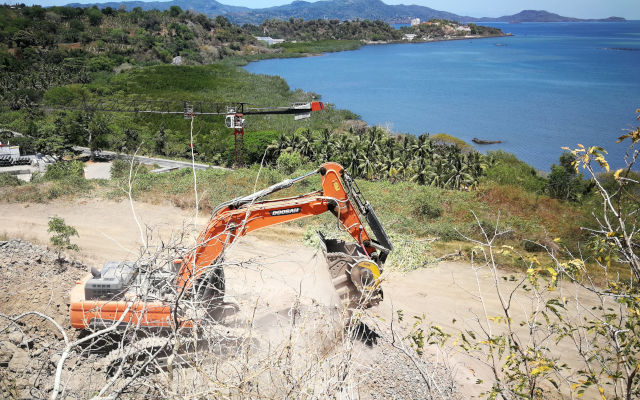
x=409, y=36
x=12, y=151
x=463, y=28
x=269, y=40
x=415, y=21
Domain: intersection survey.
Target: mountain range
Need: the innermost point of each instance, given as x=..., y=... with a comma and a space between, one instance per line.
x=333, y=9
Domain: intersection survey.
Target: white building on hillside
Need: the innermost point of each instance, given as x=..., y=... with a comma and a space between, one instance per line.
x=269, y=40
x=415, y=21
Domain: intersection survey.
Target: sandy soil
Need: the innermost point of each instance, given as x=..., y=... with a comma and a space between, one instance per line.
x=108, y=231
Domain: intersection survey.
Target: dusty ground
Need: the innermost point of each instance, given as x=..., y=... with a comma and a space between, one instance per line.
x=448, y=291
x=97, y=170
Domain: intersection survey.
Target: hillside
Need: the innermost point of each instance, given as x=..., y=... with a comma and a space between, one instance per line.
x=344, y=10
x=334, y=9
x=211, y=8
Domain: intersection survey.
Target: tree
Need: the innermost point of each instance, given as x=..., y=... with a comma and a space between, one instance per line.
x=97, y=131
x=158, y=144
x=565, y=182
x=61, y=235
x=95, y=16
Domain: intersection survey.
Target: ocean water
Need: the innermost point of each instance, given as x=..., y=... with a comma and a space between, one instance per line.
x=550, y=85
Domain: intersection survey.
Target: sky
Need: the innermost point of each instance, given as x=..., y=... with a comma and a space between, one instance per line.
x=629, y=9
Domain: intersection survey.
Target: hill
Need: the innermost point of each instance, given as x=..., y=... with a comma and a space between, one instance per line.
x=344, y=10
x=543, y=16
x=208, y=7
x=334, y=9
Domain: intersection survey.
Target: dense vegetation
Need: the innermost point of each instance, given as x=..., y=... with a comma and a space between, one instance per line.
x=323, y=29
x=43, y=48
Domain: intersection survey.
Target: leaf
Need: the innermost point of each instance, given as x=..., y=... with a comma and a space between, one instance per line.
x=601, y=390
x=540, y=369
x=616, y=174
x=623, y=137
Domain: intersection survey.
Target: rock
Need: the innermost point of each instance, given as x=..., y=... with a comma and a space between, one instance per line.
x=15, y=337
x=6, y=353
x=19, y=361
x=177, y=60
x=55, y=358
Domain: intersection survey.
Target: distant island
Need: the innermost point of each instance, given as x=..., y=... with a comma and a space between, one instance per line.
x=543, y=16
x=344, y=10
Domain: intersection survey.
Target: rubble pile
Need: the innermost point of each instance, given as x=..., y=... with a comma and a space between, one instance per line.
x=32, y=278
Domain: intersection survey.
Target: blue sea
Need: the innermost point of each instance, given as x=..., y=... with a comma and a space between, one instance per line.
x=550, y=85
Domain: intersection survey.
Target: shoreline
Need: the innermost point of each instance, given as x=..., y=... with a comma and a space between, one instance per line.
x=436, y=40
x=371, y=43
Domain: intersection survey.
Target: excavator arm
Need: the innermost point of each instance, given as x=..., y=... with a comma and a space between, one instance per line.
x=240, y=216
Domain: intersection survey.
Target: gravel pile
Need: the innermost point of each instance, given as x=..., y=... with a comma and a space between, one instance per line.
x=387, y=372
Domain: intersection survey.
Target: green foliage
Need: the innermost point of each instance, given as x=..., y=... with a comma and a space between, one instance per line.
x=564, y=183
x=256, y=143
x=429, y=206
x=316, y=47
x=61, y=234
x=64, y=170
x=120, y=168
x=506, y=169
x=451, y=141
x=375, y=154
x=288, y=162
x=9, y=180
x=322, y=30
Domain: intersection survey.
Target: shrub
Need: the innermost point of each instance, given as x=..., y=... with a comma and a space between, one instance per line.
x=9, y=180
x=443, y=138
x=506, y=169
x=63, y=170
x=61, y=234
x=288, y=162
x=255, y=144
x=428, y=206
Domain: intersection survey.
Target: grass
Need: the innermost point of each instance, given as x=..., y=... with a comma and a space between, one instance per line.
x=410, y=212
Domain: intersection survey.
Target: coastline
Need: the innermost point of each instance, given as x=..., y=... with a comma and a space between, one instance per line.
x=445, y=39
x=241, y=61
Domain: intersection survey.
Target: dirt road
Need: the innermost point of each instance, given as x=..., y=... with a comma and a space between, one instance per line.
x=273, y=267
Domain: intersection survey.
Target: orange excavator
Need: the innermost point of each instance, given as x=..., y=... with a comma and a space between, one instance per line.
x=125, y=293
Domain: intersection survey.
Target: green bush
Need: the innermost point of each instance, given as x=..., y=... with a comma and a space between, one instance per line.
x=288, y=162
x=506, y=169
x=443, y=138
x=256, y=143
x=428, y=206
x=9, y=180
x=119, y=168
x=63, y=170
